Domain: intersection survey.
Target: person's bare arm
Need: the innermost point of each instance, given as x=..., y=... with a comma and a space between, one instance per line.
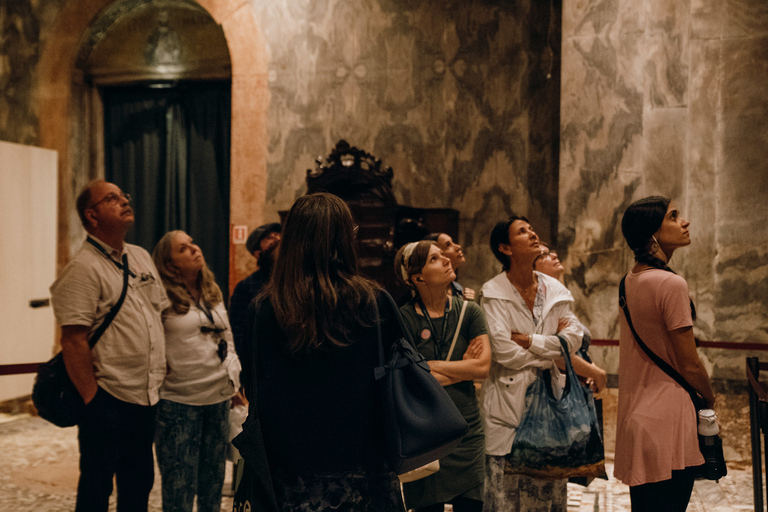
x=689, y=364
x=596, y=377
x=78, y=360
x=466, y=369
x=444, y=380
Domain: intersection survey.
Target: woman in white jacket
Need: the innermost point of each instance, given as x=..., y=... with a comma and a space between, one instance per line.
x=526, y=311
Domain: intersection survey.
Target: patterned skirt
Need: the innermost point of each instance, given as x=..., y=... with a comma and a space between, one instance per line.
x=353, y=491
x=505, y=490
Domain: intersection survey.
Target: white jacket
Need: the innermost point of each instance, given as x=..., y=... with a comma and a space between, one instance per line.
x=514, y=368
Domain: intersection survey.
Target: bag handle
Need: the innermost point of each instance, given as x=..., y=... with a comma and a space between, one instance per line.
x=458, y=328
x=570, y=373
x=396, y=311
x=699, y=401
x=112, y=312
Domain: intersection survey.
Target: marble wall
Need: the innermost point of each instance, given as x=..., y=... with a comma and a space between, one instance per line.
x=22, y=27
x=668, y=97
x=453, y=95
x=460, y=98
x=654, y=97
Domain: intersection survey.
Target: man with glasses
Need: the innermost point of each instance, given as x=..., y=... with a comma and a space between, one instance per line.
x=120, y=376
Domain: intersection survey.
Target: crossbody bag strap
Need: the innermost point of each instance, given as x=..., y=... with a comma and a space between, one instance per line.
x=112, y=312
x=458, y=328
x=696, y=397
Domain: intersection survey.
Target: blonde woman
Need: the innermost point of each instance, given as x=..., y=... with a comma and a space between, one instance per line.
x=433, y=318
x=203, y=373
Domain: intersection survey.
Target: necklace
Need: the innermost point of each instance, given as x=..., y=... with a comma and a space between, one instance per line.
x=529, y=292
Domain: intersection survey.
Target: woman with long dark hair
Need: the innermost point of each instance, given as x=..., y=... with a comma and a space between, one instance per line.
x=316, y=349
x=203, y=374
x=432, y=317
x=656, y=436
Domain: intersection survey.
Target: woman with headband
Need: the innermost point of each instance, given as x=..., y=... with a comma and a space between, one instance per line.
x=656, y=431
x=451, y=334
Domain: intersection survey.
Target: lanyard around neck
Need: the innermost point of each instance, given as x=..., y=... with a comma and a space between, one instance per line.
x=438, y=341
x=104, y=252
x=207, y=312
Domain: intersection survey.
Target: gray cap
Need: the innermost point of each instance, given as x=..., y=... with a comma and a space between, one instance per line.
x=258, y=234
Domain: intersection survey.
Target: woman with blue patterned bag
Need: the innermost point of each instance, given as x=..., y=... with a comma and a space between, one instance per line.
x=527, y=314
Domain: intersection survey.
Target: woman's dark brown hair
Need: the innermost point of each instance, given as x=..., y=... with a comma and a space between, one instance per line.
x=315, y=289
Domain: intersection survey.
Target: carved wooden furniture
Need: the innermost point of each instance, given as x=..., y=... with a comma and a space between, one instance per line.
x=365, y=184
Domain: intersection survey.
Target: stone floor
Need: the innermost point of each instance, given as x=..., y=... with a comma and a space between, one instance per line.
x=38, y=472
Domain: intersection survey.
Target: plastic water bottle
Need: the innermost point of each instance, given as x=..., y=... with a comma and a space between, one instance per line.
x=708, y=423
x=710, y=445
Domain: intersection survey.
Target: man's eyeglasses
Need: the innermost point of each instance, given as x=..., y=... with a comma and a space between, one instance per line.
x=111, y=199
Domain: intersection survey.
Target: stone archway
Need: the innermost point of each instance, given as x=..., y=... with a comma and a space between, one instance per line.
x=250, y=101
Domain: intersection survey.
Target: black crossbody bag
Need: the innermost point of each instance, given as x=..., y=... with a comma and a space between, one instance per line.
x=53, y=394
x=711, y=447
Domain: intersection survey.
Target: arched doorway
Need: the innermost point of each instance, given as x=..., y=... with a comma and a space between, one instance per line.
x=61, y=92
x=157, y=80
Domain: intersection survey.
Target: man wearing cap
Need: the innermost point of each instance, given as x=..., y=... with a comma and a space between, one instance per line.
x=120, y=376
x=262, y=243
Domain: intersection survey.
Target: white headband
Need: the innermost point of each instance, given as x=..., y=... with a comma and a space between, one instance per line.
x=407, y=252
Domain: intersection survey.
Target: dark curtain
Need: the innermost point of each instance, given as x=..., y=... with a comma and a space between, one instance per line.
x=169, y=148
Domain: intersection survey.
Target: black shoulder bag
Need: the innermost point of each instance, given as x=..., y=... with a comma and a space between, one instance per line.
x=53, y=394
x=711, y=447
x=421, y=422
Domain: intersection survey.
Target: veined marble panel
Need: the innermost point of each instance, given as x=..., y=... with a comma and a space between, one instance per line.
x=700, y=137
x=601, y=116
x=664, y=155
x=666, y=51
x=745, y=18
x=743, y=180
x=632, y=17
x=742, y=211
x=707, y=19
x=704, y=147
x=596, y=255
x=666, y=69
x=742, y=280
x=589, y=18
x=21, y=31
x=667, y=16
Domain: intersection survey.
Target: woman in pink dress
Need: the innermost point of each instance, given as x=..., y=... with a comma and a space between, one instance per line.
x=656, y=441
